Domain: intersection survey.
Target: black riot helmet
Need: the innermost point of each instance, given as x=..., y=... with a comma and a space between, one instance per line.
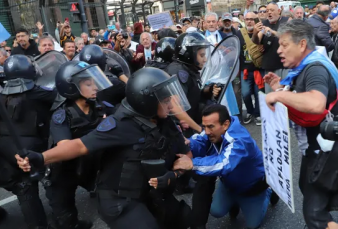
x=73, y=77
x=166, y=32
x=187, y=46
x=93, y=54
x=165, y=49
x=20, y=66
x=149, y=87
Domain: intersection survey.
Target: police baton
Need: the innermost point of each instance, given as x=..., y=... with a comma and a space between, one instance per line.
x=22, y=151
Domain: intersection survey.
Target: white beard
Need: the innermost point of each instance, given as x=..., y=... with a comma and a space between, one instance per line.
x=250, y=28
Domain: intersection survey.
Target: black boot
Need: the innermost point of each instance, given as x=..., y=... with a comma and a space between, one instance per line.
x=274, y=198
x=3, y=214
x=234, y=211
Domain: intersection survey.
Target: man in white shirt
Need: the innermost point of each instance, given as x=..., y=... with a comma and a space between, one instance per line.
x=212, y=34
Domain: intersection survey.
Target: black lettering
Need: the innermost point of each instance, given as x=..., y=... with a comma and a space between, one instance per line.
x=286, y=157
x=279, y=160
x=278, y=134
x=281, y=184
x=280, y=170
x=285, y=137
x=279, y=143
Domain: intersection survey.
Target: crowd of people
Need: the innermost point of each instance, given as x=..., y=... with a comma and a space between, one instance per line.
x=135, y=137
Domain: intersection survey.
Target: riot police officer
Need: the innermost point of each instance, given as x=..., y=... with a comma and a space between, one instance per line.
x=28, y=106
x=164, y=53
x=139, y=130
x=79, y=83
x=191, y=51
x=93, y=54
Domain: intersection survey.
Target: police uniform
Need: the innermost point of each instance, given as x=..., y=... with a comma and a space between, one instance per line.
x=28, y=106
x=122, y=184
x=70, y=122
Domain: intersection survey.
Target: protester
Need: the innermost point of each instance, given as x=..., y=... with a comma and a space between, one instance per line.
x=138, y=29
x=147, y=28
x=265, y=33
x=334, y=31
x=262, y=13
x=93, y=33
x=299, y=13
x=252, y=74
x=321, y=28
x=69, y=49
x=84, y=36
x=145, y=51
x=66, y=33
x=25, y=46
x=3, y=56
x=46, y=44
x=79, y=43
x=213, y=156
x=315, y=82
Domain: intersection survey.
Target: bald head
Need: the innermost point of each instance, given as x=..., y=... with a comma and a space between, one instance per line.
x=250, y=21
x=324, y=11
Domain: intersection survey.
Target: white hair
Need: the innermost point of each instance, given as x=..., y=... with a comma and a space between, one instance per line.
x=77, y=40
x=298, y=7
x=151, y=37
x=84, y=34
x=211, y=14
x=3, y=52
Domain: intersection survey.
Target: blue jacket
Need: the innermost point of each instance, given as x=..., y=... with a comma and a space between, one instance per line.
x=239, y=161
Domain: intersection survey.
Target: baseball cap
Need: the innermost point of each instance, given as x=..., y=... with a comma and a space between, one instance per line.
x=178, y=25
x=227, y=16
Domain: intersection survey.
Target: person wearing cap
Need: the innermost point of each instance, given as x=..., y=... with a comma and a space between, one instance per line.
x=186, y=22
x=306, y=11
x=227, y=21
x=66, y=33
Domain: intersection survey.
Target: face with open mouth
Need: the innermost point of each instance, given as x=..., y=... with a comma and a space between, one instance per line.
x=290, y=52
x=273, y=13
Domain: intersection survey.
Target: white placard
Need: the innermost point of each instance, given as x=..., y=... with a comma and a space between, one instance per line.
x=277, y=150
x=160, y=20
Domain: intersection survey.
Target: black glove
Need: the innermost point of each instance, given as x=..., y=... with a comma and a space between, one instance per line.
x=163, y=181
x=36, y=160
x=116, y=70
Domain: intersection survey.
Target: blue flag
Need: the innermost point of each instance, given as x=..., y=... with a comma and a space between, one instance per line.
x=4, y=35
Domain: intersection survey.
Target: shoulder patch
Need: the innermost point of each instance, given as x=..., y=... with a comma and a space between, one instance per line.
x=59, y=116
x=107, y=104
x=107, y=124
x=183, y=76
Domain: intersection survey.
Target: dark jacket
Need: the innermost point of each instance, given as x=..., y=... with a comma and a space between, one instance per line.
x=141, y=62
x=136, y=38
x=321, y=30
x=32, y=50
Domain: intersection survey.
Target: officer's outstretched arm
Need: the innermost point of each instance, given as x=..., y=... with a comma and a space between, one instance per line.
x=66, y=151
x=192, y=124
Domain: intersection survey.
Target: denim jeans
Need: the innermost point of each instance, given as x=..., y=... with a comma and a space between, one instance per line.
x=253, y=207
x=249, y=87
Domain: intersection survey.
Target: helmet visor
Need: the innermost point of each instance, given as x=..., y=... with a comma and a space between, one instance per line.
x=90, y=81
x=201, y=54
x=171, y=96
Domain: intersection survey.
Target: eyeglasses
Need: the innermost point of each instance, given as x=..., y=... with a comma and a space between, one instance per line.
x=262, y=11
x=186, y=24
x=249, y=19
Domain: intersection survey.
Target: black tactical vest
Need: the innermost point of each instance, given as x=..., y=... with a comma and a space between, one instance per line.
x=122, y=171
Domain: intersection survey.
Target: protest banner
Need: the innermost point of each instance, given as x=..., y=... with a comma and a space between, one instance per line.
x=4, y=34
x=277, y=150
x=160, y=20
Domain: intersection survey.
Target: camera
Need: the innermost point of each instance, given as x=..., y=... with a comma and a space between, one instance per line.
x=329, y=130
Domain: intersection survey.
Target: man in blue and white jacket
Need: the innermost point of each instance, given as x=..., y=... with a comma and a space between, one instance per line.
x=226, y=149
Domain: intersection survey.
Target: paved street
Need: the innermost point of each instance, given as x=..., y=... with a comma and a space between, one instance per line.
x=279, y=217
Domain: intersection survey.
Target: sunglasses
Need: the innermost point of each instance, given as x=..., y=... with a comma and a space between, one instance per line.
x=262, y=11
x=8, y=50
